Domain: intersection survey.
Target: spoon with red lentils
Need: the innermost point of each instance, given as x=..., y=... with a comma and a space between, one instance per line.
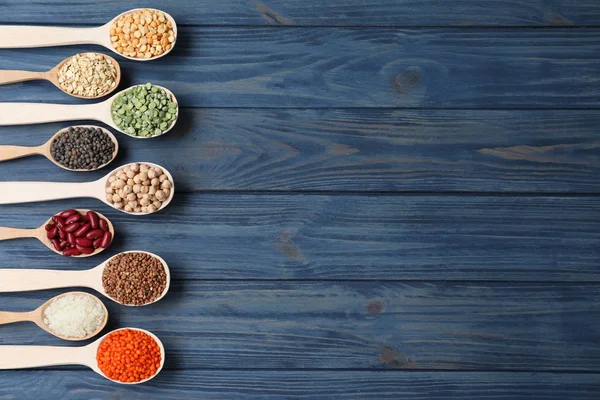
x=136, y=189
x=72, y=233
x=140, y=34
x=131, y=278
x=110, y=356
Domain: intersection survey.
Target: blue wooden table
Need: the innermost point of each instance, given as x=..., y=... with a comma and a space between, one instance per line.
x=376, y=200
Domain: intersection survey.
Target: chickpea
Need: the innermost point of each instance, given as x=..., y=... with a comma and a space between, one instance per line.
x=109, y=190
x=116, y=198
x=130, y=182
x=166, y=185
x=130, y=174
x=137, y=209
x=160, y=195
x=134, y=167
x=137, y=188
x=131, y=197
x=145, y=189
x=152, y=190
x=109, y=198
x=136, y=179
x=155, y=182
x=151, y=208
x=146, y=183
x=143, y=168
x=140, y=195
x=118, y=205
x=132, y=204
x=167, y=192
x=143, y=176
x=127, y=189
x=121, y=193
x=157, y=204
x=158, y=171
x=151, y=173
x=128, y=208
x=121, y=175
x=120, y=184
x=144, y=209
x=112, y=178
x=113, y=184
x=144, y=202
x=162, y=178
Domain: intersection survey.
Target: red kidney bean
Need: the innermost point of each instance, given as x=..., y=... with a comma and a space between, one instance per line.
x=84, y=242
x=73, y=218
x=62, y=234
x=93, y=218
x=72, y=227
x=71, y=239
x=49, y=227
x=67, y=213
x=73, y=251
x=103, y=225
x=95, y=234
x=56, y=244
x=51, y=234
x=85, y=250
x=97, y=242
x=58, y=221
x=106, y=240
x=63, y=244
x=82, y=230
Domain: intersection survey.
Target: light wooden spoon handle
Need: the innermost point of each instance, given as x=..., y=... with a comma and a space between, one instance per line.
x=28, y=192
x=16, y=233
x=14, y=76
x=12, y=152
x=23, y=280
x=39, y=113
x=15, y=36
x=7, y=317
x=15, y=357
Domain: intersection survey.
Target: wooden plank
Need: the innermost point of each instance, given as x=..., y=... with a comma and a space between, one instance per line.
x=370, y=325
x=220, y=236
x=323, y=67
x=393, y=385
x=358, y=150
x=315, y=12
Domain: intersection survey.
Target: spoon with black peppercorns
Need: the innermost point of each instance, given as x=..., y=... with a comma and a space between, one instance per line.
x=76, y=148
x=131, y=278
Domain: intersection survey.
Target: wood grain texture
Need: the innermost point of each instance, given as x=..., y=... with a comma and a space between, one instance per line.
x=313, y=385
x=370, y=325
x=315, y=12
x=357, y=150
x=219, y=236
x=356, y=67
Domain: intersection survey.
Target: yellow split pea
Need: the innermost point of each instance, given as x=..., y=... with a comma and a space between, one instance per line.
x=142, y=34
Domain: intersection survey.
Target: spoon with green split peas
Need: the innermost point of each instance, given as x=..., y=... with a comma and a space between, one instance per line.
x=23, y=280
x=53, y=240
x=19, y=36
x=13, y=152
x=18, y=357
x=38, y=113
x=28, y=192
x=37, y=316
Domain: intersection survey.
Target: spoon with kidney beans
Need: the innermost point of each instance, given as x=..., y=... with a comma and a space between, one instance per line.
x=72, y=233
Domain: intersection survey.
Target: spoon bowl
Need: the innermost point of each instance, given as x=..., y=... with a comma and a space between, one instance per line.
x=40, y=234
x=27, y=192
x=14, y=152
x=14, y=76
x=16, y=36
x=37, y=316
x=38, y=113
x=17, y=280
x=17, y=357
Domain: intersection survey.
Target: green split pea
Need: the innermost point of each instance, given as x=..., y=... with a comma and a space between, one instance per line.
x=144, y=110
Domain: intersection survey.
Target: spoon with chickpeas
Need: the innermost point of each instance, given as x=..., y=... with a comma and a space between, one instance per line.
x=136, y=189
x=140, y=34
x=141, y=111
x=84, y=75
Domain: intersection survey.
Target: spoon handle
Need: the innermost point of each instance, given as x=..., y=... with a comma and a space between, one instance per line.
x=14, y=76
x=28, y=192
x=23, y=280
x=39, y=113
x=16, y=233
x=12, y=152
x=7, y=317
x=15, y=36
x=15, y=357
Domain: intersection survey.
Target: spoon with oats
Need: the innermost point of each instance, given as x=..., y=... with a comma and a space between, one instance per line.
x=84, y=75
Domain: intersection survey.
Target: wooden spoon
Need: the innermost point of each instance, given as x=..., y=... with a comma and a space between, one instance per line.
x=39, y=113
x=17, y=357
x=22, y=280
x=12, y=152
x=37, y=316
x=27, y=192
x=40, y=234
x=19, y=36
x=14, y=76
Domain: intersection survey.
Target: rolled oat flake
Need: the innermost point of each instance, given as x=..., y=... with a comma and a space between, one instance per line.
x=87, y=75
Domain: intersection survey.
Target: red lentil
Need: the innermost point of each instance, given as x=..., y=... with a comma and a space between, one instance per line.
x=128, y=355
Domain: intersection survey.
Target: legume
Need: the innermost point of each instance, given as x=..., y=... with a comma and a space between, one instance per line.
x=144, y=110
x=75, y=315
x=138, y=188
x=129, y=355
x=134, y=278
x=88, y=75
x=142, y=34
x=69, y=232
x=82, y=148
